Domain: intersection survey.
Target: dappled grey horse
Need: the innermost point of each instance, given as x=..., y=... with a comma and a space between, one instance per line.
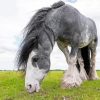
x=65, y=25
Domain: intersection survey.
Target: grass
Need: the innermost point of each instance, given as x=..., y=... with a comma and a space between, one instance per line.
x=12, y=88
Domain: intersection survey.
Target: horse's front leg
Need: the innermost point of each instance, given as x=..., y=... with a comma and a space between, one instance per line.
x=72, y=76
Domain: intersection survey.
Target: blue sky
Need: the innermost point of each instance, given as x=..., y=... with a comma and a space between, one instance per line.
x=15, y=14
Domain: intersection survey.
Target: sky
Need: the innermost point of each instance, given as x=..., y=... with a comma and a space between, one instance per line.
x=14, y=16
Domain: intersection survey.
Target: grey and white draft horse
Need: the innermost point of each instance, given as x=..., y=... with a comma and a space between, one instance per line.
x=65, y=25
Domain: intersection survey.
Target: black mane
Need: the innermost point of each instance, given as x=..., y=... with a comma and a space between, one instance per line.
x=30, y=41
x=32, y=31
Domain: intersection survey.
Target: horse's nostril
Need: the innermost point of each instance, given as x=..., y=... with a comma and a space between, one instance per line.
x=29, y=86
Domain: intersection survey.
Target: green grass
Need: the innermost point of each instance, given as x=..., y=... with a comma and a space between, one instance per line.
x=12, y=88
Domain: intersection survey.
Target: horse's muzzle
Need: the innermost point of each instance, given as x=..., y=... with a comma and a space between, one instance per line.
x=33, y=87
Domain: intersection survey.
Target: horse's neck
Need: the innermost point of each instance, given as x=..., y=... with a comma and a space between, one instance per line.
x=46, y=43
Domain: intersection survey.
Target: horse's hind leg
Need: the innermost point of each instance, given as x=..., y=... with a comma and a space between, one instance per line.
x=93, y=73
x=72, y=76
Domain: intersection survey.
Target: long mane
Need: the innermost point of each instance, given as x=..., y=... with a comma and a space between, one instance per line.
x=30, y=41
x=32, y=31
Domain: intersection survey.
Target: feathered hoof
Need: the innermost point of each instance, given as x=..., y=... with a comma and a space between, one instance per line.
x=70, y=83
x=94, y=78
x=84, y=76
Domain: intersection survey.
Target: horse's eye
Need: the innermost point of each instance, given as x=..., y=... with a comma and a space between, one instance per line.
x=35, y=59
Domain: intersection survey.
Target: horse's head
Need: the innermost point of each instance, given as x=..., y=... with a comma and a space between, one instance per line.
x=37, y=67
x=35, y=51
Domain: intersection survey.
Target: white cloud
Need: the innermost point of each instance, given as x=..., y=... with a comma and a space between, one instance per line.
x=8, y=8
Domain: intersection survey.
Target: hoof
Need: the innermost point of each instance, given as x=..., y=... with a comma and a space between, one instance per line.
x=65, y=85
x=71, y=82
x=94, y=78
x=84, y=77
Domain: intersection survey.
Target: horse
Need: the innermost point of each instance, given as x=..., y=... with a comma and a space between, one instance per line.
x=65, y=25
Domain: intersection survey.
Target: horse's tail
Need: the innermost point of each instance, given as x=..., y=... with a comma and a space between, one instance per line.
x=32, y=31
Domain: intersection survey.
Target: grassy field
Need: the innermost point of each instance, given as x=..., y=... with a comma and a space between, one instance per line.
x=12, y=88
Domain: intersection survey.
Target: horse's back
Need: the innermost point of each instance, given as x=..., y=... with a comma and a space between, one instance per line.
x=69, y=23
x=64, y=18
